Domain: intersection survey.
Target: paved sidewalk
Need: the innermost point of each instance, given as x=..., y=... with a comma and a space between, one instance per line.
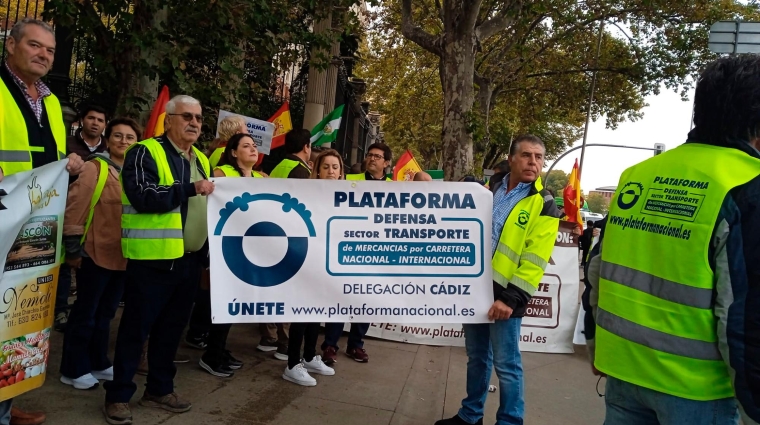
x=403, y=384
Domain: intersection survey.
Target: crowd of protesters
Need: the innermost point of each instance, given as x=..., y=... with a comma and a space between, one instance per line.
x=155, y=262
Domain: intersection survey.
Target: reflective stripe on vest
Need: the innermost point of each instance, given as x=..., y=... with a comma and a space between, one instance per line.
x=149, y=236
x=102, y=177
x=656, y=324
x=283, y=169
x=517, y=262
x=230, y=171
x=15, y=151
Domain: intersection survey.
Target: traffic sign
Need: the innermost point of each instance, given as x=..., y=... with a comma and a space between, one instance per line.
x=734, y=37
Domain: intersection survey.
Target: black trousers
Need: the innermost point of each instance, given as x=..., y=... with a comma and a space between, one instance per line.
x=85, y=345
x=306, y=333
x=158, y=304
x=200, y=319
x=217, y=343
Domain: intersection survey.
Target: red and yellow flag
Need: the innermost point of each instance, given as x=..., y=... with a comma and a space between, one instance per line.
x=572, y=197
x=406, y=167
x=282, y=125
x=155, y=125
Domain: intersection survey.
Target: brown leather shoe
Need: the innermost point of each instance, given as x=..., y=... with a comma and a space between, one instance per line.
x=170, y=402
x=19, y=417
x=358, y=354
x=330, y=356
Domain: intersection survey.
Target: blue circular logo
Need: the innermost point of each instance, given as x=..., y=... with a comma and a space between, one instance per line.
x=629, y=195
x=232, y=246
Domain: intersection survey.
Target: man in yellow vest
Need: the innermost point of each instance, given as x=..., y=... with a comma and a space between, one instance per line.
x=525, y=224
x=296, y=162
x=32, y=131
x=164, y=237
x=678, y=315
x=377, y=160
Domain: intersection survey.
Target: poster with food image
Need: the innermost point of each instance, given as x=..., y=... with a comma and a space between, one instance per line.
x=31, y=226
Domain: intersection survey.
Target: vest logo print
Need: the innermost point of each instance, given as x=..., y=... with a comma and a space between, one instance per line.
x=233, y=245
x=629, y=195
x=523, y=218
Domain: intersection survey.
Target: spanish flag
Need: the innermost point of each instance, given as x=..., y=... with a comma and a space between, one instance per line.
x=406, y=167
x=572, y=197
x=155, y=125
x=282, y=125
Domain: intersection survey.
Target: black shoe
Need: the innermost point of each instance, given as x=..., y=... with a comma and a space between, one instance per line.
x=221, y=370
x=456, y=420
x=198, y=342
x=231, y=362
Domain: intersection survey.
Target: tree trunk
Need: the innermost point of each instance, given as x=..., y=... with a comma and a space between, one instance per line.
x=457, y=74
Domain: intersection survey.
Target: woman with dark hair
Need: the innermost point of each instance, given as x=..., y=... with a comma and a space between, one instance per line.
x=92, y=237
x=329, y=166
x=239, y=158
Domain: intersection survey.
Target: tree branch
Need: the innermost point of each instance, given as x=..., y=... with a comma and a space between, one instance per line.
x=415, y=33
x=498, y=23
x=578, y=71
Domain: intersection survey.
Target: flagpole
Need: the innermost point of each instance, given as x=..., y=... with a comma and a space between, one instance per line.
x=591, y=98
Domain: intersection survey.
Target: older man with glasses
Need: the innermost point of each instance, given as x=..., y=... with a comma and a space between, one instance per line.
x=164, y=183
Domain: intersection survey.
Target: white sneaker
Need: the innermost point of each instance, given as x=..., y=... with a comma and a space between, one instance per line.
x=316, y=365
x=299, y=375
x=280, y=356
x=103, y=375
x=84, y=382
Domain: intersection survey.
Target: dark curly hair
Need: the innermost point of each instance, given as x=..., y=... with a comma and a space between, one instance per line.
x=727, y=101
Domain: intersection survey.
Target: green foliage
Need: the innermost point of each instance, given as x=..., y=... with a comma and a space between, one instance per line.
x=533, y=71
x=226, y=53
x=598, y=203
x=556, y=182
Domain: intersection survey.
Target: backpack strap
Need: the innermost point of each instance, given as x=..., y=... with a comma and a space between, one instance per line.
x=102, y=177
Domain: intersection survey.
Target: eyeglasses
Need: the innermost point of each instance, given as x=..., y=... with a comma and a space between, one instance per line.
x=118, y=137
x=374, y=156
x=187, y=116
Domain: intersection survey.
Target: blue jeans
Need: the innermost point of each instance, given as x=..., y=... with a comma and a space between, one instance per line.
x=5, y=411
x=494, y=345
x=629, y=404
x=85, y=345
x=333, y=332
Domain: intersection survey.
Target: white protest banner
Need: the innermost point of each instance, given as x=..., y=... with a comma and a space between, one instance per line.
x=31, y=227
x=261, y=131
x=349, y=251
x=550, y=319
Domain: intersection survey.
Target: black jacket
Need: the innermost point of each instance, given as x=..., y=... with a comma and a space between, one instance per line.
x=139, y=178
x=514, y=297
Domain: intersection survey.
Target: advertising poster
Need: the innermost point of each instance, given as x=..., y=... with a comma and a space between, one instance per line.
x=31, y=226
x=349, y=251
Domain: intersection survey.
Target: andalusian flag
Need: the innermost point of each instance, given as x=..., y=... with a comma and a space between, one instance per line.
x=572, y=197
x=327, y=129
x=282, y=125
x=155, y=125
x=406, y=167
